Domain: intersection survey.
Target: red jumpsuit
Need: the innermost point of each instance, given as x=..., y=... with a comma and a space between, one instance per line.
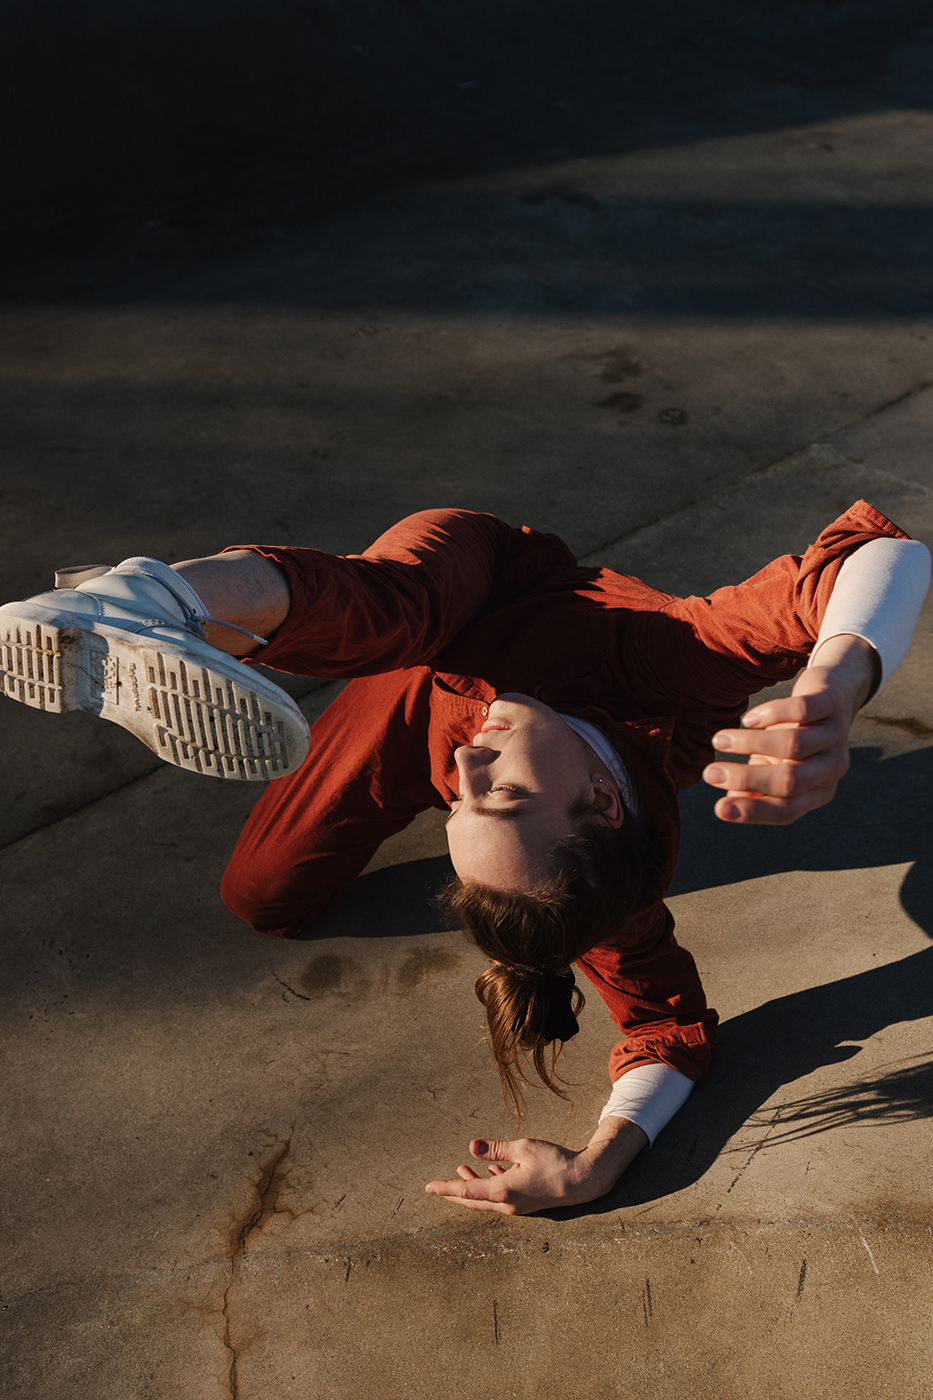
x=450, y=608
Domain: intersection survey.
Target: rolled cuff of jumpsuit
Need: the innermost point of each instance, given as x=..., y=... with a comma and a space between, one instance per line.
x=648, y=1096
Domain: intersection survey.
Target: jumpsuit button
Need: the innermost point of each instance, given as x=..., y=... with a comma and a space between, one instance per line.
x=485, y=711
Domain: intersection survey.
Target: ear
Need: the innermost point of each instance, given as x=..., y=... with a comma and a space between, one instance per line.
x=605, y=795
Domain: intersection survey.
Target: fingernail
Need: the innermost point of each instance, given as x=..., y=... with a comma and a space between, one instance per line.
x=722, y=742
x=751, y=720
x=729, y=812
x=715, y=775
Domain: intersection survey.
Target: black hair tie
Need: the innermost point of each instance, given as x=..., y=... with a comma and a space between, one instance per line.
x=560, y=1023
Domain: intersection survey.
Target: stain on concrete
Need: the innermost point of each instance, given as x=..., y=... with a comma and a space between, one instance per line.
x=908, y=723
x=329, y=972
x=619, y=364
x=624, y=401
x=424, y=962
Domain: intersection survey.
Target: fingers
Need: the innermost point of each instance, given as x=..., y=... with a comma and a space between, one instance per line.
x=785, y=739
x=494, y=1150
x=502, y=1207
x=475, y=1194
x=782, y=742
x=739, y=808
x=780, y=779
x=482, y=1193
x=452, y=1190
x=803, y=707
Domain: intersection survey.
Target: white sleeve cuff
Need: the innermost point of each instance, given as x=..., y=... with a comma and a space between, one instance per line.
x=649, y=1096
x=877, y=596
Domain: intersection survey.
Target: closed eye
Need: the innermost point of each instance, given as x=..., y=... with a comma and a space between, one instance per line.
x=499, y=787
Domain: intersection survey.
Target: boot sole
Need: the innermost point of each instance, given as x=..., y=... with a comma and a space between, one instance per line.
x=207, y=718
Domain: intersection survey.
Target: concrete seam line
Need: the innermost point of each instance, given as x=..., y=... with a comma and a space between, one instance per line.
x=121, y=787
x=92, y=802
x=340, y=1251
x=760, y=472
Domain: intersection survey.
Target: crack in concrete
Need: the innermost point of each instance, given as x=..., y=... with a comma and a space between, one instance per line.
x=272, y=1181
x=227, y=1343
x=300, y=995
x=757, y=1148
x=801, y=1280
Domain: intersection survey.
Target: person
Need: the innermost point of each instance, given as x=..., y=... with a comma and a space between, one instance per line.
x=555, y=710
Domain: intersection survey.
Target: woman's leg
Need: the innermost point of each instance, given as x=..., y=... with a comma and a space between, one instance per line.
x=309, y=836
x=242, y=587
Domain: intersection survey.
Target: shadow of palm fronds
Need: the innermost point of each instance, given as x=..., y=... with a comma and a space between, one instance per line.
x=899, y=1096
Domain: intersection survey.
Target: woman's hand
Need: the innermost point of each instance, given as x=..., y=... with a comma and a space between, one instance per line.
x=543, y=1174
x=799, y=747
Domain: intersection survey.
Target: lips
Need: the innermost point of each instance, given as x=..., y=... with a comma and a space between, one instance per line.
x=493, y=724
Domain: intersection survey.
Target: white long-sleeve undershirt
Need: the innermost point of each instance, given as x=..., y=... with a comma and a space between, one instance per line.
x=648, y=1095
x=877, y=596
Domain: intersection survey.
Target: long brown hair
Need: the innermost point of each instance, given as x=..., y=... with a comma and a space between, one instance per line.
x=597, y=878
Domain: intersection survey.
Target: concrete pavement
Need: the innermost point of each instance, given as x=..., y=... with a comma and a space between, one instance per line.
x=685, y=358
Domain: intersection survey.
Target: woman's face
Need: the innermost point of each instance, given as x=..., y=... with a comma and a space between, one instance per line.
x=518, y=780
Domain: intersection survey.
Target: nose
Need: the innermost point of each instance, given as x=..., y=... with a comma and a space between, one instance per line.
x=471, y=762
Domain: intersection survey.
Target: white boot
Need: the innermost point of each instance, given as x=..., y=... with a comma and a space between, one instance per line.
x=128, y=644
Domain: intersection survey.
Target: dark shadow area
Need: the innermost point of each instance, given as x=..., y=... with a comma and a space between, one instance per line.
x=882, y=815
x=396, y=902
x=567, y=252
x=164, y=135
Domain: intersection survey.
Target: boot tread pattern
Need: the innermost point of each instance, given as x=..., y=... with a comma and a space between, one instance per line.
x=211, y=725
x=30, y=666
x=190, y=714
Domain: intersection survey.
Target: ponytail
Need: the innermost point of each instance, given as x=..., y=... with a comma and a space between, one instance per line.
x=599, y=878
x=528, y=1011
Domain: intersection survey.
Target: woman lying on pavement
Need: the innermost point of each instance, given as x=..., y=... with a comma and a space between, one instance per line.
x=555, y=710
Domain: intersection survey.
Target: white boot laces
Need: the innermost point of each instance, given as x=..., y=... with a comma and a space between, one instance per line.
x=195, y=616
